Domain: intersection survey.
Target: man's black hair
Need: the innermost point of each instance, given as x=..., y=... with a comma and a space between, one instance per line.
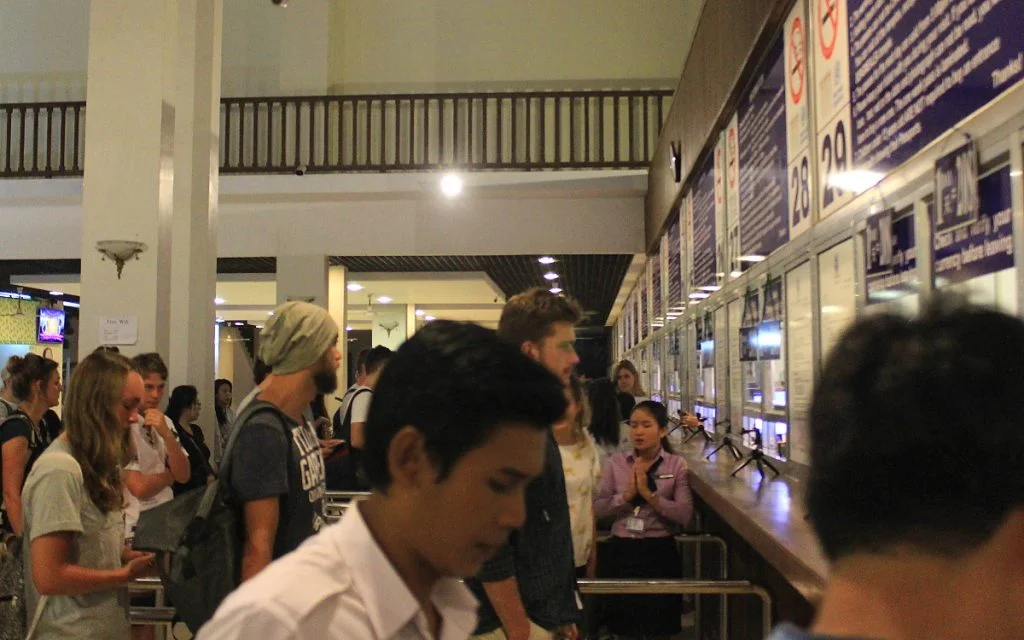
x=456, y=383
x=376, y=358
x=916, y=435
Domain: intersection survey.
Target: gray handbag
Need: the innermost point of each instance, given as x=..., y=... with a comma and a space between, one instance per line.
x=12, y=593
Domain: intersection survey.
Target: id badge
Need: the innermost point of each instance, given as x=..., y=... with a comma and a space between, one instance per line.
x=634, y=523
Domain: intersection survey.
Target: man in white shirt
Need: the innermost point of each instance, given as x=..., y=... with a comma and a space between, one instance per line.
x=457, y=430
x=158, y=459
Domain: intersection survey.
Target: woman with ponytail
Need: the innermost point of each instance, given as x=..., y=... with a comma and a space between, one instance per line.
x=647, y=492
x=35, y=382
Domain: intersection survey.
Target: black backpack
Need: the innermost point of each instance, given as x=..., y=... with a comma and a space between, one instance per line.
x=198, y=537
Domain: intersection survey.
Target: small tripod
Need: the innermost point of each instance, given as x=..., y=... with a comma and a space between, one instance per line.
x=726, y=442
x=699, y=431
x=756, y=455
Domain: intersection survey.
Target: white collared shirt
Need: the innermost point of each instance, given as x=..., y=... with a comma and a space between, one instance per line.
x=338, y=585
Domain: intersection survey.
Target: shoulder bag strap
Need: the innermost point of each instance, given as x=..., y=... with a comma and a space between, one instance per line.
x=254, y=407
x=37, y=617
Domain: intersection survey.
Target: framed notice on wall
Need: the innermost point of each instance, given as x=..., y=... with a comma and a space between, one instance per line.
x=800, y=352
x=837, y=284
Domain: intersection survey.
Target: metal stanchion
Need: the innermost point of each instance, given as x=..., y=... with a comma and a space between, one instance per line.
x=681, y=587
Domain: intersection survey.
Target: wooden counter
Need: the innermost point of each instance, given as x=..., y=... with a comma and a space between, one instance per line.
x=768, y=514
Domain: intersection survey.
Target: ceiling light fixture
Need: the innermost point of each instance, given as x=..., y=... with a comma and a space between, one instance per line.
x=354, y=286
x=347, y=328
x=752, y=258
x=420, y=313
x=383, y=299
x=451, y=185
x=546, y=260
x=555, y=290
x=430, y=318
x=56, y=293
x=551, y=275
x=218, y=301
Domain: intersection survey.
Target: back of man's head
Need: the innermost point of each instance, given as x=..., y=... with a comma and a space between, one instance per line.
x=456, y=383
x=916, y=437
x=530, y=316
x=376, y=358
x=147, y=364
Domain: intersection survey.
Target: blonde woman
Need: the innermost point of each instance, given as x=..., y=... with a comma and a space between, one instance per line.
x=75, y=562
x=627, y=379
x=581, y=463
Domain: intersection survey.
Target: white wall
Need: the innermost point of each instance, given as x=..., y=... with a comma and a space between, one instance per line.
x=313, y=46
x=273, y=51
x=575, y=220
x=268, y=50
x=43, y=50
x=404, y=45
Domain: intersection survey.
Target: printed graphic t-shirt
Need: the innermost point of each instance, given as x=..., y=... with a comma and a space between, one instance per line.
x=265, y=464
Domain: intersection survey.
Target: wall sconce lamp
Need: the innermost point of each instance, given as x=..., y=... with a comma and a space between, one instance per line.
x=120, y=251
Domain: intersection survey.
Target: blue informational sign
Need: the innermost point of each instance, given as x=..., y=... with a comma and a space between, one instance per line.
x=956, y=188
x=983, y=247
x=764, y=188
x=901, y=274
x=704, y=262
x=675, y=274
x=878, y=243
x=919, y=67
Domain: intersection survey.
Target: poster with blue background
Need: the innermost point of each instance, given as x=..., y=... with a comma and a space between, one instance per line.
x=704, y=262
x=899, y=275
x=986, y=246
x=763, y=188
x=918, y=67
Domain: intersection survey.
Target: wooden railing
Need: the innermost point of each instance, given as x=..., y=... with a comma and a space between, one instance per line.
x=379, y=133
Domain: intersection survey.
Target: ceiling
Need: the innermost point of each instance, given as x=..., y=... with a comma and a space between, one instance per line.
x=470, y=288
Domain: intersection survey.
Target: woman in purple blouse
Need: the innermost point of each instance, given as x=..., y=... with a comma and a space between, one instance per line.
x=648, y=493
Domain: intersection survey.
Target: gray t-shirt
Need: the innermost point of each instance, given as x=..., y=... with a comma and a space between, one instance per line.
x=265, y=464
x=55, y=499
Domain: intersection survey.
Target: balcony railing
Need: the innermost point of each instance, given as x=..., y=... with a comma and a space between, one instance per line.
x=540, y=130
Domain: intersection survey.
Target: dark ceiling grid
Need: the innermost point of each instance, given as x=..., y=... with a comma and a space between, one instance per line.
x=593, y=280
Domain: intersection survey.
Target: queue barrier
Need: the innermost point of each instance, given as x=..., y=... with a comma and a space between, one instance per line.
x=337, y=502
x=163, y=615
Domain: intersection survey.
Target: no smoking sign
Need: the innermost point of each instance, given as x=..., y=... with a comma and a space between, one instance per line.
x=798, y=68
x=828, y=26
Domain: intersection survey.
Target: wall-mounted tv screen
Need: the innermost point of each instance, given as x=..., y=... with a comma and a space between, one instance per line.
x=51, y=325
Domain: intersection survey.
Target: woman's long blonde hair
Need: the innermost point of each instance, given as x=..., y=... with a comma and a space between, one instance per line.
x=94, y=431
x=638, y=391
x=579, y=425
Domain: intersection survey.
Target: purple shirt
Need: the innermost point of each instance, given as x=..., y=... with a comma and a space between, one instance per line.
x=675, y=503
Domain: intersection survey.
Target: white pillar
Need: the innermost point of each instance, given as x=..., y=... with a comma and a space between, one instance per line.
x=151, y=147
x=194, y=229
x=337, y=305
x=127, y=194
x=410, y=320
